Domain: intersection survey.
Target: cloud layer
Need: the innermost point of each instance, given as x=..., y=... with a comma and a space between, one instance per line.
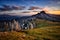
x=9, y=8
x=34, y=7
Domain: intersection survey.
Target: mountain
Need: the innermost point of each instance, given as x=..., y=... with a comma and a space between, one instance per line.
x=45, y=16
x=41, y=15
x=6, y=17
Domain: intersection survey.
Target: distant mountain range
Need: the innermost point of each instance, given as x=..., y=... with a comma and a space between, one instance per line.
x=41, y=15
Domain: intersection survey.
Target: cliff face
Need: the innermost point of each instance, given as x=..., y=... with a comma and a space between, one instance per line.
x=15, y=25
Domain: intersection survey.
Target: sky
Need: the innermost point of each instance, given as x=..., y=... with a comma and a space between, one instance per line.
x=29, y=6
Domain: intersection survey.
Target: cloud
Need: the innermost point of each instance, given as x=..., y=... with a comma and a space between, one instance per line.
x=54, y=3
x=46, y=8
x=34, y=7
x=52, y=10
x=18, y=7
x=9, y=7
x=25, y=12
x=5, y=8
x=58, y=2
x=19, y=12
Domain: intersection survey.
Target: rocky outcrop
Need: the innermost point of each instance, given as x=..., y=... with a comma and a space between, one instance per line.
x=16, y=25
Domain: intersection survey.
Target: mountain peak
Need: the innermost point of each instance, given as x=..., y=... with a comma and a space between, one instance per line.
x=42, y=12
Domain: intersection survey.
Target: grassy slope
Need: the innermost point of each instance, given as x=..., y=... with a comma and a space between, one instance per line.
x=45, y=31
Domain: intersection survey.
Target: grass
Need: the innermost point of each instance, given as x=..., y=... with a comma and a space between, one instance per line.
x=45, y=30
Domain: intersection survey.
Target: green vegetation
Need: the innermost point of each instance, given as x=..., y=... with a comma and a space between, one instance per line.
x=45, y=30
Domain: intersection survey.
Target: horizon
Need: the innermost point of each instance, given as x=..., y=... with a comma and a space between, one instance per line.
x=29, y=7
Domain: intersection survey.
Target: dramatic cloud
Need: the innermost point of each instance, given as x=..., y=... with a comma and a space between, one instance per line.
x=25, y=12
x=9, y=8
x=34, y=7
x=5, y=8
x=52, y=10
x=18, y=7
x=19, y=12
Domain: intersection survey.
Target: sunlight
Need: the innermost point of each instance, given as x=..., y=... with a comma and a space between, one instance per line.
x=54, y=12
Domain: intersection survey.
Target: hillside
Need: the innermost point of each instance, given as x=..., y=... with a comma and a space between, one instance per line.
x=47, y=16
x=46, y=30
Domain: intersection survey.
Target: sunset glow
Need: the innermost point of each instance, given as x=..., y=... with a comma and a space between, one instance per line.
x=54, y=12
x=18, y=6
